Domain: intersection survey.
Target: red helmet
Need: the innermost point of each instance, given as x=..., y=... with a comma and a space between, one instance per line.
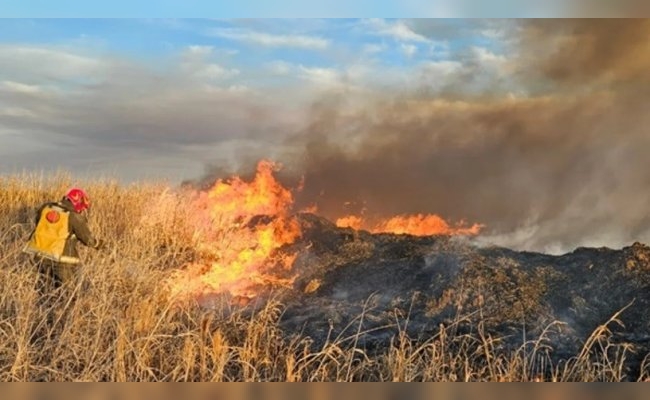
x=79, y=199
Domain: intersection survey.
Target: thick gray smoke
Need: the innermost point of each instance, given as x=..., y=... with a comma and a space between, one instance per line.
x=562, y=163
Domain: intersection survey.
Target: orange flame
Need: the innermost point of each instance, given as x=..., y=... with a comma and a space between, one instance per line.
x=350, y=221
x=418, y=225
x=239, y=227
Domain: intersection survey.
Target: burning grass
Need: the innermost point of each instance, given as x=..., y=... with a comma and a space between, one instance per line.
x=236, y=251
x=417, y=225
x=120, y=324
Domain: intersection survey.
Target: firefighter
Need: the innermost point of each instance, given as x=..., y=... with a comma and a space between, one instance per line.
x=53, y=242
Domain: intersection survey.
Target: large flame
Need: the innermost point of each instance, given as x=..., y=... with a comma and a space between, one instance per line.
x=239, y=227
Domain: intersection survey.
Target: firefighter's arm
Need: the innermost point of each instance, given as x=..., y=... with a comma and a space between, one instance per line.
x=79, y=226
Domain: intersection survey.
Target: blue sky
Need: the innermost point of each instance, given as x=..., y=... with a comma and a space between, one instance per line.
x=250, y=43
x=201, y=8
x=330, y=8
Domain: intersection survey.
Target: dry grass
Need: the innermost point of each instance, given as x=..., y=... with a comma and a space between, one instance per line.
x=116, y=324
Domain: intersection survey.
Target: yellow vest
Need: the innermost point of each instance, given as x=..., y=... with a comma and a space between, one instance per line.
x=50, y=235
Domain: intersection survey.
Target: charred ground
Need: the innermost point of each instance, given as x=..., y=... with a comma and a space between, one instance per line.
x=371, y=288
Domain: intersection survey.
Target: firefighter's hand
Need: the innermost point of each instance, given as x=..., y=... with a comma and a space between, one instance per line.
x=99, y=245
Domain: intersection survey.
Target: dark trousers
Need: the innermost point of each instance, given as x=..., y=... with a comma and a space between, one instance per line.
x=55, y=285
x=55, y=274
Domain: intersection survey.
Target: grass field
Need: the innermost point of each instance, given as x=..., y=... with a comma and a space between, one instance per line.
x=117, y=324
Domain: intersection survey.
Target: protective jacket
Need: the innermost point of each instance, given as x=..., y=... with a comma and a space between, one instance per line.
x=58, y=228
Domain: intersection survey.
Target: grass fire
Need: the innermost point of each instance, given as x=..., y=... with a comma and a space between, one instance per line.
x=325, y=200
x=239, y=227
x=322, y=300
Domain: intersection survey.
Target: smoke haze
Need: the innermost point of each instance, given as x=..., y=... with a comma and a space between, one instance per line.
x=536, y=128
x=551, y=156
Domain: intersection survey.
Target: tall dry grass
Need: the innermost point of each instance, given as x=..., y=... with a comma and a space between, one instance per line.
x=117, y=325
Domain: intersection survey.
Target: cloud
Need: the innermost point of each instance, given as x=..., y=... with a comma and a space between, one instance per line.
x=16, y=112
x=204, y=51
x=189, y=108
x=409, y=50
x=324, y=76
x=271, y=40
x=486, y=56
x=214, y=72
x=279, y=67
x=36, y=64
x=197, y=63
x=475, y=72
x=200, y=50
x=18, y=87
x=439, y=74
x=397, y=30
x=373, y=48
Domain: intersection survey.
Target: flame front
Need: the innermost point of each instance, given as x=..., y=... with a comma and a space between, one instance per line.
x=238, y=228
x=418, y=225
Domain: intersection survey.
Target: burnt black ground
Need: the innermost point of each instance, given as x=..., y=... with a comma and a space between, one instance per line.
x=415, y=284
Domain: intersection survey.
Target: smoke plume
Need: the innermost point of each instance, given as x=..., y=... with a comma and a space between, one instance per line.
x=560, y=162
